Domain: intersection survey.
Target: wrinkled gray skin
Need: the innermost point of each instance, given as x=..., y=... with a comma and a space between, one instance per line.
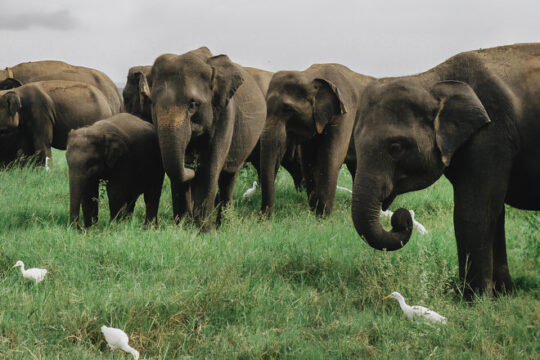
x=57, y=70
x=474, y=118
x=292, y=161
x=315, y=108
x=215, y=107
x=136, y=92
x=124, y=151
x=44, y=112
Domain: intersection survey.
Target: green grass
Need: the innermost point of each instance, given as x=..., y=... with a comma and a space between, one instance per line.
x=293, y=287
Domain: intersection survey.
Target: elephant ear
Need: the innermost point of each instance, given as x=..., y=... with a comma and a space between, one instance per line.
x=144, y=89
x=326, y=104
x=226, y=79
x=13, y=102
x=460, y=115
x=115, y=148
x=10, y=83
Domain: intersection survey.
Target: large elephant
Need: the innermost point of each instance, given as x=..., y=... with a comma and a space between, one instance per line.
x=291, y=160
x=28, y=72
x=124, y=151
x=315, y=108
x=136, y=92
x=44, y=112
x=474, y=118
x=215, y=107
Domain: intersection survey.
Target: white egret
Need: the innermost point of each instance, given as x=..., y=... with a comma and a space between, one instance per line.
x=419, y=227
x=31, y=274
x=343, y=189
x=251, y=190
x=47, y=168
x=416, y=311
x=118, y=339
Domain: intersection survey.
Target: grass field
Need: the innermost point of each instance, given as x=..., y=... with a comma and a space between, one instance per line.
x=293, y=287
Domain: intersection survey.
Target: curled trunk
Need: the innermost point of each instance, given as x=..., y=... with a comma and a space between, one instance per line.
x=368, y=195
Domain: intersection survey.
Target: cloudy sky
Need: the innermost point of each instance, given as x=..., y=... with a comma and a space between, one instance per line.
x=375, y=37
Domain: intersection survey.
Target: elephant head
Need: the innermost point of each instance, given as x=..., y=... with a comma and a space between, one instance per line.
x=136, y=93
x=90, y=155
x=9, y=83
x=405, y=138
x=188, y=93
x=299, y=107
x=10, y=108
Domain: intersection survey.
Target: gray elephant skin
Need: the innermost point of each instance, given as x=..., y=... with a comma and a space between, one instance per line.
x=474, y=118
x=124, y=151
x=315, y=108
x=215, y=107
x=28, y=72
x=44, y=112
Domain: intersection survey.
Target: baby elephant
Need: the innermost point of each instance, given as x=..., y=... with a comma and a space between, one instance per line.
x=124, y=151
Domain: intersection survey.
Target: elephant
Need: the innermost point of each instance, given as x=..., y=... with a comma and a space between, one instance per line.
x=14, y=147
x=291, y=160
x=44, y=112
x=136, y=100
x=315, y=108
x=35, y=71
x=210, y=106
x=122, y=150
x=474, y=118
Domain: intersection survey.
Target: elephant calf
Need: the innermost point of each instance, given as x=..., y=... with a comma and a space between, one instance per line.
x=124, y=151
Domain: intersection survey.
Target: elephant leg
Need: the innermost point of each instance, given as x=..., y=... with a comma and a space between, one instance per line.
x=90, y=203
x=501, y=273
x=351, y=166
x=151, y=199
x=119, y=200
x=226, y=186
x=181, y=199
x=292, y=163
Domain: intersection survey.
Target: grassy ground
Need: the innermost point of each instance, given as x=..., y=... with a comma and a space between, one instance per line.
x=294, y=287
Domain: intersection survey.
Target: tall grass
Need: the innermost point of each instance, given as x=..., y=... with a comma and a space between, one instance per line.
x=293, y=287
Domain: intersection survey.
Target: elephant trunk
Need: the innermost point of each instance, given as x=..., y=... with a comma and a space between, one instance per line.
x=368, y=195
x=273, y=142
x=77, y=184
x=174, y=133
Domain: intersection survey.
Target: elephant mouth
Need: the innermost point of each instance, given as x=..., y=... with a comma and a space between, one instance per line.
x=388, y=201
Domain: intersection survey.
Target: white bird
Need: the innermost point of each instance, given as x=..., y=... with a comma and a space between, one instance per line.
x=31, y=274
x=343, y=189
x=416, y=311
x=251, y=190
x=47, y=168
x=118, y=339
x=419, y=227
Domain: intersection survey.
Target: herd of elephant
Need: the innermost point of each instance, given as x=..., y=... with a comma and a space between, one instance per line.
x=199, y=118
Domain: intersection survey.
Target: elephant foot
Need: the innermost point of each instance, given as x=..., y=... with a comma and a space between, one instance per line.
x=503, y=282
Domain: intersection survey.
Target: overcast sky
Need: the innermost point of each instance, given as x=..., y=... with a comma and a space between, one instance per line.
x=378, y=38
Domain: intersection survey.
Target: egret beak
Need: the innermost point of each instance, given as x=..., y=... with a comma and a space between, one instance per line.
x=387, y=297
x=14, y=266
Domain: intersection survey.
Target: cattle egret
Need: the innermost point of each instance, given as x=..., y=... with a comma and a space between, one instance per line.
x=419, y=227
x=416, y=311
x=117, y=339
x=31, y=274
x=47, y=168
x=251, y=190
x=343, y=189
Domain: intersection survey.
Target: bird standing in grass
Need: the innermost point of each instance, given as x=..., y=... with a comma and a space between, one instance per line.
x=251, y=190
x=416, y=311
x=31, y=274
x=118, y=339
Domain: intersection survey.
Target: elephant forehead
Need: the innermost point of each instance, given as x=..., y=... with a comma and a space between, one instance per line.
x=171, y=116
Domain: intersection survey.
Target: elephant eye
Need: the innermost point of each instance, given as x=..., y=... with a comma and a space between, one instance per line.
x=193, y=106
x=395, y=149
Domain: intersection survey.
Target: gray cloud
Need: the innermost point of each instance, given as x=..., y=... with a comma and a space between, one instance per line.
x=58, y=20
